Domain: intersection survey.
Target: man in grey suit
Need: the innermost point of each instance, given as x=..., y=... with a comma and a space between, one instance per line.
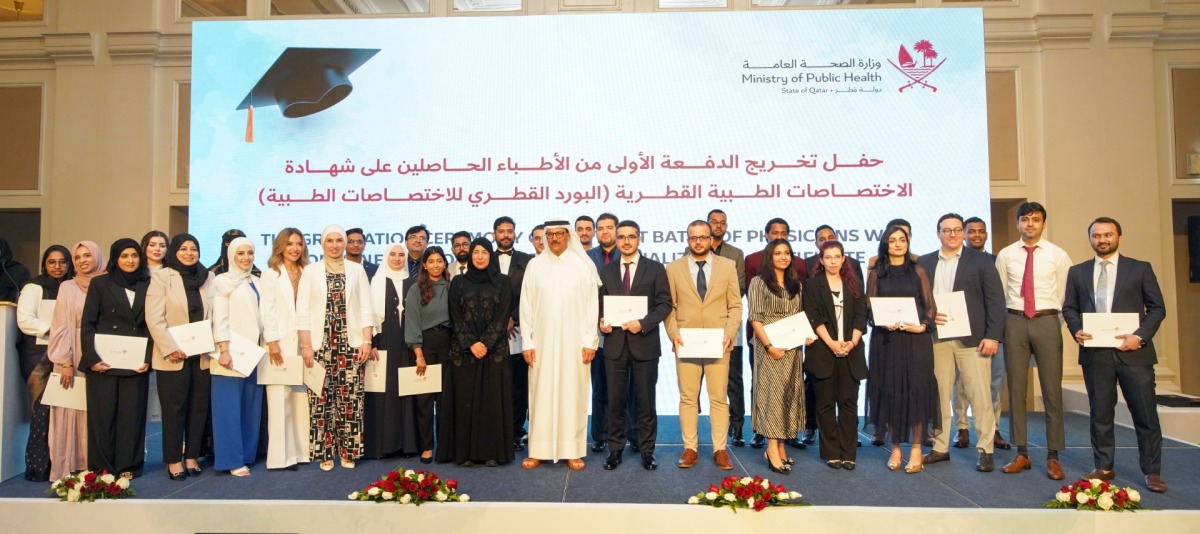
x=952, y=268
x=1111, y=283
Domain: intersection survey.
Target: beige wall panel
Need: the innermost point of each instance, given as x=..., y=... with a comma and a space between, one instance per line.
x=20, y=137
x=1185, y=115
x=1004, y=155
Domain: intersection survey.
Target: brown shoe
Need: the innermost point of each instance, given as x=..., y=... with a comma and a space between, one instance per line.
x=1019, y=463
x=1102, y=474
x=721, y=458
x=576, y=464
x=999, y=442
x=688, y=458
x=962, y=439
x=530, y=463
x=1054, y=469
x=1155, y=483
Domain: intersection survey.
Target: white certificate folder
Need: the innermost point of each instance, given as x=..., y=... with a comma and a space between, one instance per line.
x=1104, y=327
x=888, y=311
x=706, y=343
x=790, y=332
x=375, y=377
x=290, y=373
x=954, y=306
x=74, y=398
x=122, y=352
x=619, y=310
x=413, y=384
x=194, y=338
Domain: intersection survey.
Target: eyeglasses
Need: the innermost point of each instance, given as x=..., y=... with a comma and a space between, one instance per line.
x=356, y=242
x=952, y=231
x=699, y=238
x=632, y=237
x=557, y=235
x=417, y=239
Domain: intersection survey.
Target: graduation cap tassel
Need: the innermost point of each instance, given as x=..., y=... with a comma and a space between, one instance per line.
x=250, y=125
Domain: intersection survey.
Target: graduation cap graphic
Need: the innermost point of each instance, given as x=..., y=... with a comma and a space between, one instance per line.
x=304, y=81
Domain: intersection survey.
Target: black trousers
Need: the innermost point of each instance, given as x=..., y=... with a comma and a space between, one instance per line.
x=836, y=409
x=736, y=390
x=116, y=418
x=520, y=393
x=600, y=402
x=184, y=396
x=631, y=385
x=1102, y=374
x=436, y=347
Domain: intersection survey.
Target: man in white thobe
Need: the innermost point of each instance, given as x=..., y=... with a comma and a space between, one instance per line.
x=559, y=312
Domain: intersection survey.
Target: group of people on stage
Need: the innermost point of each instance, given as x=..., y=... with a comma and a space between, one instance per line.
x=524, y=338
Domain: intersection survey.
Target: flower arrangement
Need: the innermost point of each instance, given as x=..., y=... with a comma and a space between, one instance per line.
x=746, y=492
x=1096, y=494
x=89, y=486
x=411, y=487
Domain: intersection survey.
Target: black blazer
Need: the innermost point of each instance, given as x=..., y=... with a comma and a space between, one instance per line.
x=811, y=262
x=979, y=281
x=106, y=310
x=516, y=274
x=1134, y=291
x=650, y=281
x=818, y=307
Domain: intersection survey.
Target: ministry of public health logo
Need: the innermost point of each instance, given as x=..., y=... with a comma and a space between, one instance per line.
x=918, y=74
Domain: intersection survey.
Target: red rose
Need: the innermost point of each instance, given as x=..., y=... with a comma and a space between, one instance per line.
x=757, y=479
x=452, y=483
x=393, y=476
x=713, y=489
x=70, y=484
x=389, y=486
x=423, y=495
x=114, y=490
x=759, y=505
x=727, y=483
x=411, y=486
x=780, y=489
x=91, y=477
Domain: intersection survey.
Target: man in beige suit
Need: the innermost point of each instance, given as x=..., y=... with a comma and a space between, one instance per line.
x=705, y=294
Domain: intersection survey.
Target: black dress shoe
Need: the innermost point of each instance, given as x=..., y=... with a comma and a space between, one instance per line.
x=758, y=442
x=738, y=441
x=648, y=462
x=793, y=442
x=613, y=460
x=985, y=464
x=809, y=437
x=934, y=457
x=598, y=446
x=425, y=460
x=848, y=465
x=518, y=445
x=735, y=434
x=633, y=446
x=877, y=442
x=195, y=471
x=182, y=475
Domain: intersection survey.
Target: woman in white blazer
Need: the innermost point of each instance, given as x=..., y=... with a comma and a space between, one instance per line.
x=287, y=404
x=335, y=322
x=236, y=398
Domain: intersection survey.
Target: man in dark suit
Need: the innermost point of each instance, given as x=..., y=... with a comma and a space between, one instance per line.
x=606, y=233
x=1111, y=283
x=632, y=349
x=512, y=262
x=952, y=268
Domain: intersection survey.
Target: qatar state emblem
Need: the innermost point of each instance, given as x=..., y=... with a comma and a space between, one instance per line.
x=909, y=68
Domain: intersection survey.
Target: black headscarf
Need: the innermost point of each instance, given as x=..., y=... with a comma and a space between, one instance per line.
x=222, y=264
x=127, y=280
x=193, y=275
x=13, y=275
x=50, y=284
x=488, y=274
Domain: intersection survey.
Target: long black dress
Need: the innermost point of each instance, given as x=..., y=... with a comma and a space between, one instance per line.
x=476, y=404
x=390, y=421
x=901, y=388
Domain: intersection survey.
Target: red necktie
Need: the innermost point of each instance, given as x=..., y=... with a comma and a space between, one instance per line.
x=1027, y=283
x=625, y=279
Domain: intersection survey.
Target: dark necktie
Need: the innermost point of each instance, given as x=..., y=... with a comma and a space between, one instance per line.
x=504, y=252
x=1027, y=284
x=701, y=280
x=625, y=279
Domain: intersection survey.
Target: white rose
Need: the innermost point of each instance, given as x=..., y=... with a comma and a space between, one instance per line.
x=766, y=483
x=84, y=473
x=693, y=500
x=1081, y=497
x=108, y=479
x=464, y=498
x=1095, y=482
x=373, y=491
x=1063, y=496
x=409, y=473
x=56, y=484
x=420, y=477
x=730, y=497
x=405, y=499
x=440, y=496
x=794, y=495
x=123, y=483
x=712, y=495
x=73, y=496
x=1105, y=501
x=387, y=495
x=1133, y=495
x=353, y=496
x=750, y=502
x=747, y=480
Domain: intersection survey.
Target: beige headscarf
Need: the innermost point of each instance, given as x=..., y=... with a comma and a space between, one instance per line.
x=379, y=286
x=334, y=265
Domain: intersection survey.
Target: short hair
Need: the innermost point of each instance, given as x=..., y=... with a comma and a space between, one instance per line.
x=899, y=222
x=1027, y=208
x=629, y=224
x=715, y=210
x=699, y=222
x=825, y=227
x=460, y=233
x=358, y=231
x=950, y=216
x=973, y=220
x=585, y=218
x=501, y=220
x=606, y=216
x=536, y=228
x=1105, y=220
x=418, y=228
x=773, y=222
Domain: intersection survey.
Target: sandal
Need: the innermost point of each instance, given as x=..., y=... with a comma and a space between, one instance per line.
x=347, y=463
x=327, y=465
x=242, y=471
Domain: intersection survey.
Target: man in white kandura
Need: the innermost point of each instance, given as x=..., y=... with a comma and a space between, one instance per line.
x=560, y=308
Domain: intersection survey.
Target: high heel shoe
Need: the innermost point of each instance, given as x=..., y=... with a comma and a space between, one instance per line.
x=182, y=475
x=783, y=469
x=893, y=465
x=428, y=460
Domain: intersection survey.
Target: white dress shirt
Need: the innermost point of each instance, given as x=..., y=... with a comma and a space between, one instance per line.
x=1050, y=266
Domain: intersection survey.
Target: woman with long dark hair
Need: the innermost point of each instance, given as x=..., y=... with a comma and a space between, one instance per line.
x=35, y=366
x=154, y=248
x=837, y=311
x=902, y=396
x=427, y=333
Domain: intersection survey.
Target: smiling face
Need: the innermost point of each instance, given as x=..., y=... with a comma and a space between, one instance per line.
x=824, y=235
x=720, y=224
x=397, y=259
x=480, y=257
x=950, y=233
x=606, y=232
x=556, y=239
x=1031, y=225
x=128, y=260
x=333, y=245
x=355, y=243
x=56, y=264
x=188, y=253
x=83, y=260
x=586, y=230
x=628, y=240
x=1104, y=239
x=504, y=234
x=897, y=244
x=244, y=257
x=435, y=265
x=416, y=243
x=156, y=250
x=294, y=248
x=781, y=257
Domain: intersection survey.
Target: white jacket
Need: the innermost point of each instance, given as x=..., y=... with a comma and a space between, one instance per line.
x=311, y=300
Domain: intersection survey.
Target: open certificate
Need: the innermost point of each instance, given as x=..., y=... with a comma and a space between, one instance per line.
x=45, y=313
x=291, y=373
x=954, y=306
x=194, y=338
x=619, y=310
x=376, y=374
x=891, y=310
x=1104, y=327
x=74, y=398
x=245, y=353
x=702, y=343
x=314, y=377
x=790, y=332
x=413, y=384
x=122, y=352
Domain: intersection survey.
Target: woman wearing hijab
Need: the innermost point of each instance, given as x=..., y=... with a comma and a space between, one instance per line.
x=222, y=264
x=13, y=275
x=155, y=245
x=179, y=295
x=35, y=366
x=335, y=321
x=236, y=398
x=287, y=405
x=477, y=385
x=67, y=436
x=390, y=421
x=427, y=333
x=116, y=398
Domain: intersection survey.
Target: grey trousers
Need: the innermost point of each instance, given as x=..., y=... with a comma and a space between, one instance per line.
x=1041, y=338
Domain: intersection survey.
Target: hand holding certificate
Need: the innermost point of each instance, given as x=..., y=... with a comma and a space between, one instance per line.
x=1105, y=327
x=411, y=383
x=289, y=373
x=245, y=354
x=314, y=377
x=122, y=352
x=790, y=332
x=375, y=380
x=706, y=343
x=619, y=310
x=954, y=307
x=193, y=338
x=74, y=398
x=892, y=310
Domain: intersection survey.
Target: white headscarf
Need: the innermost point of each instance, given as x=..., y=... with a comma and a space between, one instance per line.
x=333, y=265
x=230, y=280
x=574, y=247
x=379, y=285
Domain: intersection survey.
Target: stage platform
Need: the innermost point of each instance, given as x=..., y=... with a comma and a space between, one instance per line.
x=630, y=498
